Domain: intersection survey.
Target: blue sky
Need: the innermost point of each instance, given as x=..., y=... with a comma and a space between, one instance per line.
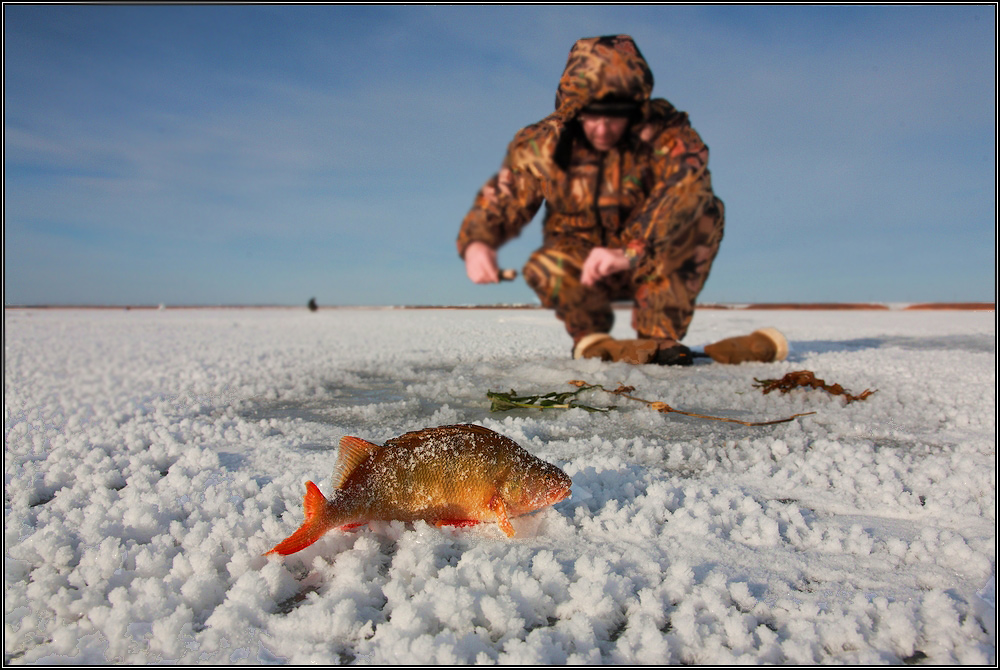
x=268, y=154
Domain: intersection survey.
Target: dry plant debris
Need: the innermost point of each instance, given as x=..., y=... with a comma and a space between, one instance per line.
x=807, y=379
x=554, y=400
x=507, y=401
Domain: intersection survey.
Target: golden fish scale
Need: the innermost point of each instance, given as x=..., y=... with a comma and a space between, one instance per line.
x=447, y=473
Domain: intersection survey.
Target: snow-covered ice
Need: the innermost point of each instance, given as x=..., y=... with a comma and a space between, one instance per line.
x=151, y=457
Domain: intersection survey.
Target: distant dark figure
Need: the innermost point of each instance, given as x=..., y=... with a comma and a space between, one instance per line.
x=312, y=305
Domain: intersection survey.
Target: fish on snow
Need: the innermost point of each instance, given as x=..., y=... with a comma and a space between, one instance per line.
x=459, y=475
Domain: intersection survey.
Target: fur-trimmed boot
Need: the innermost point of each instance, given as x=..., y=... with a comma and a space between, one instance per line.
x=636, y=352
x=764, y=345
x=607, y=348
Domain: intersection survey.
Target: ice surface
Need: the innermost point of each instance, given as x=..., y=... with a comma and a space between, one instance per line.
x=151, y=457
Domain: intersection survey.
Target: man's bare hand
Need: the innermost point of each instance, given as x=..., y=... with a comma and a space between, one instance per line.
x=602, y=262
x=481, y=263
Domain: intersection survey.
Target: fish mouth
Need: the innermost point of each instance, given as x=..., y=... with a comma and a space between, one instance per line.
x=558, y=494
x=549, y=496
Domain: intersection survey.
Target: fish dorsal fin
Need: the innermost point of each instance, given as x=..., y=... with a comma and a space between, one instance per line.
x=353, y=450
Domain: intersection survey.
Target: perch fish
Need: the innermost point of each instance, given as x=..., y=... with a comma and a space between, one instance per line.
x=448, y=475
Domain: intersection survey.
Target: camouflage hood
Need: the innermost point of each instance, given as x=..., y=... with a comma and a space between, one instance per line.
x=600, y=68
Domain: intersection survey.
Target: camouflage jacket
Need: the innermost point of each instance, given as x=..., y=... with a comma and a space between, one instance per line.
x=638, y=194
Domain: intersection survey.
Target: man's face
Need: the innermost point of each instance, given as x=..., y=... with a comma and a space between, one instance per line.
x=603, y=132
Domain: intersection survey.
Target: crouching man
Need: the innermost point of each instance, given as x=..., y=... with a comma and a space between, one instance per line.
x=629, y=213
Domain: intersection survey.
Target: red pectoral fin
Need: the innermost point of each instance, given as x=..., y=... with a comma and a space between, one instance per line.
x=499, y=507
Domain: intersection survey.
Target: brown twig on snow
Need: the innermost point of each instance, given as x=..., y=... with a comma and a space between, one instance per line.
x=625, y=392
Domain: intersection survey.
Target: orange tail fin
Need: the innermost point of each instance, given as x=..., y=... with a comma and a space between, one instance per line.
x=315, y=525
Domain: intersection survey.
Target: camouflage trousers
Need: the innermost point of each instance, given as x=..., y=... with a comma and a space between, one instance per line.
x=663, y=287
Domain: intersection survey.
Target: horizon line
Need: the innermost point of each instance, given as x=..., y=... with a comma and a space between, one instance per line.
x=838, y=306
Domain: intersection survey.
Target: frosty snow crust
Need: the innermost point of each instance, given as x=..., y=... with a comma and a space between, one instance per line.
x=151, y=457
